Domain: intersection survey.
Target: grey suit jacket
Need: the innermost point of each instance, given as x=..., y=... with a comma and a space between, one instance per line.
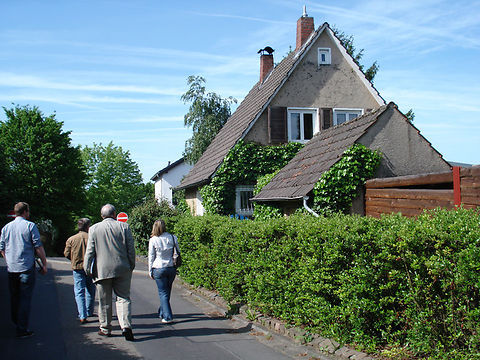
x=110, y=249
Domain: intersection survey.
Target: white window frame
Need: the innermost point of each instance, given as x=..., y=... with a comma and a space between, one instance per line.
x=328, y=56
x=315, y=118
x=347, y=111
x=238, y=210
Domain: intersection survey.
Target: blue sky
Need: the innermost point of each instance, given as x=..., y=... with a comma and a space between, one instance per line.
x=115, y=70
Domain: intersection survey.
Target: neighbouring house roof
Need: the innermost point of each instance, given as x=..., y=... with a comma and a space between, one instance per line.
x=299, y=176
x=254, y=104
x=167, y=169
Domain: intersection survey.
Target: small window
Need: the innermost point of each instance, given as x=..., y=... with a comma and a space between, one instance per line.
x=302, y=124
x=243, y=205
x=342, y=115
x=324, y=56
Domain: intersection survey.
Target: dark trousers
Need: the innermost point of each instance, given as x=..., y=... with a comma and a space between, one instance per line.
x=21, y=289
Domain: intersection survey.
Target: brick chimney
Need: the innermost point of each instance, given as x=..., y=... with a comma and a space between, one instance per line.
x=305, y=27
x=266, y=65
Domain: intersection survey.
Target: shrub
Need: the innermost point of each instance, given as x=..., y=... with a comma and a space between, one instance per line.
x=392, y=282
x=142, y=217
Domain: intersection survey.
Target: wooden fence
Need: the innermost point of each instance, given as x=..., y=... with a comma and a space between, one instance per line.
x=412, y=194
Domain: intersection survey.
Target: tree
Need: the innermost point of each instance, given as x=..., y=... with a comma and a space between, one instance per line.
x=43, y=167
x=112, y=177
x=347, y=42
x=207, y=114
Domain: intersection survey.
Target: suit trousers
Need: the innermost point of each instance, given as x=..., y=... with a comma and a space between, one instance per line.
x=121, y=287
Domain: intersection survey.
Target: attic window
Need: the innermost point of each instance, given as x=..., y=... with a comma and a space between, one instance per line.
x=324, y=56
x=342, y=115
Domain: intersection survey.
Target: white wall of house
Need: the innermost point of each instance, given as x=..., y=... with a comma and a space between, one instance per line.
x=170, y=179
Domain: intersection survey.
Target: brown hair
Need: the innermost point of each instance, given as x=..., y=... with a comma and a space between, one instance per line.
x=20, y=208
x=158, y=228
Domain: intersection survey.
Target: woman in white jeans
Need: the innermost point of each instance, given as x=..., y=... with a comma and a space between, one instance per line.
x=161, y=268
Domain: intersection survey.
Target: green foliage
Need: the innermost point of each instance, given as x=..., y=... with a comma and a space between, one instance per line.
x=265, y=211
x=244, y=163
x=347, y=42
x=112, y=178
x=410, y=115
x=338, y=186
x=393, y=283
x=207, y=114
x=178, y=200
x=42, y=168
x=143, y=216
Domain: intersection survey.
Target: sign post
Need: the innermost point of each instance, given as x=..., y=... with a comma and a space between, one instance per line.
x=122, y=217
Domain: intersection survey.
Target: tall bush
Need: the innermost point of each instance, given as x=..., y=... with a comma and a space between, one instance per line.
x=376, y=283
x=142, y=218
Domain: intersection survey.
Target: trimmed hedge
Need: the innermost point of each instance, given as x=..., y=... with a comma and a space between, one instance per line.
x=377, y=283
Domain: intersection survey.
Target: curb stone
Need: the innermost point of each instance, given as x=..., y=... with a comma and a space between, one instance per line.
x=297, y=334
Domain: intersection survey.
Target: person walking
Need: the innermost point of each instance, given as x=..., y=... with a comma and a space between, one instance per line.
x=161, y=266
x=83, y=286
x=110, y=259
x=19, y=242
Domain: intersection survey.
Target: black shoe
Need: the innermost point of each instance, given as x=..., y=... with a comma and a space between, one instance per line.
x=24, y=334
x=127, y=332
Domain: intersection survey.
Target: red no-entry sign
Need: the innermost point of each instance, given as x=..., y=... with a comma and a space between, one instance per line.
x=11, y=214
x=123, y=217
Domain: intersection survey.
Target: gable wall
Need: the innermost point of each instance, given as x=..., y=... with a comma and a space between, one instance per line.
x=330, y=86
x=405, y=151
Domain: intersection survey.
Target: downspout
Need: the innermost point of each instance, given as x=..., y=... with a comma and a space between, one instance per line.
x=305, y=198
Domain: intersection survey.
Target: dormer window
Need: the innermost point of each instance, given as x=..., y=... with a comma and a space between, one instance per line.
x=342, y=115
x=324, y=56
x=302, y=124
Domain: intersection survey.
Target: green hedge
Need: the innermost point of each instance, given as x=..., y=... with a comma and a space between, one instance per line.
x=388, y=283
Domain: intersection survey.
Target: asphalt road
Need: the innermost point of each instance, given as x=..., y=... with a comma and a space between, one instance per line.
x=199, y=330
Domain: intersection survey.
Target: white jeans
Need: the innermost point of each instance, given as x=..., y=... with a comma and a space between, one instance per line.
x=121, y=286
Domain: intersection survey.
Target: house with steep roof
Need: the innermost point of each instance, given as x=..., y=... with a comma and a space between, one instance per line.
x=312, y=96
x=168, y=178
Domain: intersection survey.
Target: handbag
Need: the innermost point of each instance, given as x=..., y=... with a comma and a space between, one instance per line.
x=177, y=258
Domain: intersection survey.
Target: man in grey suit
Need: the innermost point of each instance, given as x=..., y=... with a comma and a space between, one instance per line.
x=110, y=259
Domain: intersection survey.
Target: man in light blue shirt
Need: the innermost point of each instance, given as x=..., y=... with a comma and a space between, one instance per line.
x=19, y=242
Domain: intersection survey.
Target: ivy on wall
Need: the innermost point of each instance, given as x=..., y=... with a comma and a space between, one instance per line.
x=244, y=163
x=265, y=211
x=338, y=186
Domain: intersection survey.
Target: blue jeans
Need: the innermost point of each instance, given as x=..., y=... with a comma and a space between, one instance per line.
x=21, y=288
x=164, y=278
x=84, y=290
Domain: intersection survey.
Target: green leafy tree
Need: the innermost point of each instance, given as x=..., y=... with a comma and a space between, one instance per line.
x=207, y=114
x=112, y=177
x=42, y=167
x=347, y=42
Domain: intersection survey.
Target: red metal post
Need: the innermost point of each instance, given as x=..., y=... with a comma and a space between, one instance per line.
x=457, y=195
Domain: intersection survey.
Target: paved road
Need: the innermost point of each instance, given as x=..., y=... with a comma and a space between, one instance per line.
x=199, y=330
